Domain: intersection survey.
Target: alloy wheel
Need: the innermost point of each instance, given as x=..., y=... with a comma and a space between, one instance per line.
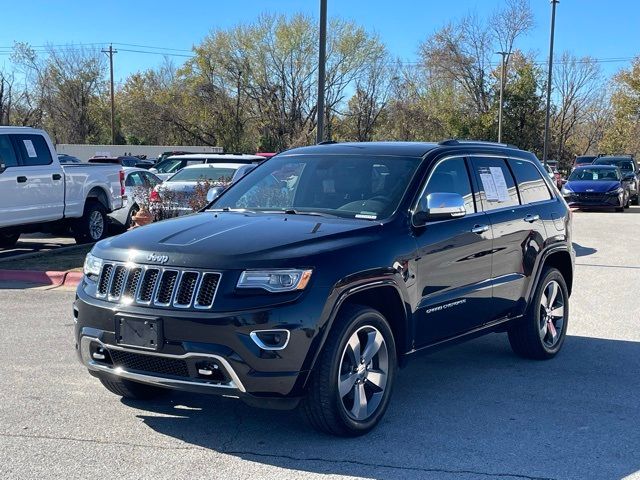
x=363, y=373
x=552, y=305
x=96, y=225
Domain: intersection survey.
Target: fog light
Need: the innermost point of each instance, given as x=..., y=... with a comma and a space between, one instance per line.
x=276, y=339
x=99, y=354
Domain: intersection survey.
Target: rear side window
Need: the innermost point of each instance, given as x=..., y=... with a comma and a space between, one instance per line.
x=134, y=180
x=7, y=154
x=34, y=150
x=497, y=188
x=530, y=183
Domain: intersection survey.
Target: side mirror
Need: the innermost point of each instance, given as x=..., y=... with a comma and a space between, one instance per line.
x=212, y=194
x=439, y=206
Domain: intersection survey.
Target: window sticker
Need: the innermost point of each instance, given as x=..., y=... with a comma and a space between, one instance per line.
x=595, y=176
x=494, y=184
x=31, y=151
x=366, y=216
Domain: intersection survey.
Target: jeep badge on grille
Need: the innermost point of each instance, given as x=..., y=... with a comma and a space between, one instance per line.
x=161, y=259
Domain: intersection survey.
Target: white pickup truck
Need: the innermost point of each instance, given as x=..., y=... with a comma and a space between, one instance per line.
x=37, y=194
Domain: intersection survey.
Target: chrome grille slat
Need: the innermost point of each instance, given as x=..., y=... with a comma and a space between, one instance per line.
x=157, y=286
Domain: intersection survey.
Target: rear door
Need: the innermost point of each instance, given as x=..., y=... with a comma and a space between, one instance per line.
x=518, y=228
x=453, y=261
x=9, y=187
x=40, y=180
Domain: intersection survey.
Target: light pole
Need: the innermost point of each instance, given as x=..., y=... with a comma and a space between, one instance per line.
x=504, y=55
x=322, y=53
x=545, y=149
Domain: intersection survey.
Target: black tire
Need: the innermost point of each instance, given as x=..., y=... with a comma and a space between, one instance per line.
x=620, y=209
x=9, y=240
x=525, y=334
x=636, y=200
x=323, y=406
x=132, y=213
x=83, y=229
x=628, y=203
x=133, y=390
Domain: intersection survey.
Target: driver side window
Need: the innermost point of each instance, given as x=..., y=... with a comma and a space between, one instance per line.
x=450, y=176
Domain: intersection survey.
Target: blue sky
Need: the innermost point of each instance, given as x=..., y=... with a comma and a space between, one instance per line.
x=585, y=27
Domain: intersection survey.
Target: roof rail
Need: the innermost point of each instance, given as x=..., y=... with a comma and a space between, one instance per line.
x=455, y=141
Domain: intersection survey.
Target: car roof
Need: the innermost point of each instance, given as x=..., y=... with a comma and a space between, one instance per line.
x=214, y=165
x=128, y=170
x=593, y=165
x=614, y=158
x=224, y=156
x=401, y=149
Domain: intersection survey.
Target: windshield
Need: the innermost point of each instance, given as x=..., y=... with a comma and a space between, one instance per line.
x=351, y=186
x=215, y=175
x=606, y=174
x=624, y=165
x=168, y=165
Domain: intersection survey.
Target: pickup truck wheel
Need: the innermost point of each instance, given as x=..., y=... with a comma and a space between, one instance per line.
x=128, y=389
x=92, y=226
x=350, y=388
x=8, y=240
x=541, y=332
x=132, y=213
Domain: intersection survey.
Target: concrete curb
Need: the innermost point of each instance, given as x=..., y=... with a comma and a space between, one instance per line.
x=53, y=278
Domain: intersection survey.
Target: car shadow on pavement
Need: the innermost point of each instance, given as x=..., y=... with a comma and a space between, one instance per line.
x=472, y=411
x=583, y=251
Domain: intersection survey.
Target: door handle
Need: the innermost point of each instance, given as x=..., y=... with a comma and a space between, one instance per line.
x=531, y=218
x=56, y=176
x=21, y=179
x=480, y=229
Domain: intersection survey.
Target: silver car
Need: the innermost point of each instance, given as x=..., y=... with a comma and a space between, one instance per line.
x=136, y=180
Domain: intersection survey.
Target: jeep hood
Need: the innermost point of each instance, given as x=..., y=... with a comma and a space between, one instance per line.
x=230, y=240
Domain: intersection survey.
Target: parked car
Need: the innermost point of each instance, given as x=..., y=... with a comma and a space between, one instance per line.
x=312, y=278
x=630, y=171
x=38, y=194
x=124, y=160
x=583, y=160
x=63, y=158
x=138, y=181
x=554, y=175
x=181, y=186
x=171, y=165
x=597, y=186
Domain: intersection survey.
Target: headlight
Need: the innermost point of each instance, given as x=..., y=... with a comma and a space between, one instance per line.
x=566, y=191
x=616, y=191
x=92, y=265
x=275, y=280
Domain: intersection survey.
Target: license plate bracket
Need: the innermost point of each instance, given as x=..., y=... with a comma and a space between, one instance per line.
x=139, y=332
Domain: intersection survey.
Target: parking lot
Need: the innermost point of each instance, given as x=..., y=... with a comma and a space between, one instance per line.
x=474, y=411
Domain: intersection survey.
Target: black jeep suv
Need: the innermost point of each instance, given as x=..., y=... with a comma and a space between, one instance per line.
x=316, y=275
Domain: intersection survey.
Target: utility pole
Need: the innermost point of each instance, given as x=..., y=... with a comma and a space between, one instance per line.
x=110, y=53
x=322, y=53
x=545, y=150
x=504, y=55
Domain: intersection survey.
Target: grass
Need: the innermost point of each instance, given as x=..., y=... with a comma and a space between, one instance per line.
x=53, y=260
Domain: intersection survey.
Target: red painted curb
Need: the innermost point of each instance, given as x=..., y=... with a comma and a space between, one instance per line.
x=45, y=278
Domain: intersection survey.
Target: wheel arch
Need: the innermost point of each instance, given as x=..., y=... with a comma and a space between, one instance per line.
x=98, y=194
x=559, y=258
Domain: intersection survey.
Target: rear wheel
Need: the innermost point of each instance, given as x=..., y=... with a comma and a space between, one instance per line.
x=128, y=389
x=92, y=226
x=132, y=213
x=9, y=240
x=351, y=385
x=541, y=332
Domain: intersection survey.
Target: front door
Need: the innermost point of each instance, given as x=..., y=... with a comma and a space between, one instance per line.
x=453, y=261
x=9, y=186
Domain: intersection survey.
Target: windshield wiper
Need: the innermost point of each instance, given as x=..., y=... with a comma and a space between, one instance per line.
x=292, y=211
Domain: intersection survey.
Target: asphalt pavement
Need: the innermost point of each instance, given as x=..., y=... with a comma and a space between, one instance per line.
x=474, y=411
x=36, y=242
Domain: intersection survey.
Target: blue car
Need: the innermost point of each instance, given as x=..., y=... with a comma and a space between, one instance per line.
x=597, y=186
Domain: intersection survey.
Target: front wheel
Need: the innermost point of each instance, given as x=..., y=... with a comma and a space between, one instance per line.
x=541, y=332
x=351, y=385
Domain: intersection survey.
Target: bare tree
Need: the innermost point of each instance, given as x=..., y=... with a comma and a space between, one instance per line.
x=577, y=83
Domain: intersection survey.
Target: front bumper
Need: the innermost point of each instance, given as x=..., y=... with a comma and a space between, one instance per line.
x=223, y=340
x=599, y=200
